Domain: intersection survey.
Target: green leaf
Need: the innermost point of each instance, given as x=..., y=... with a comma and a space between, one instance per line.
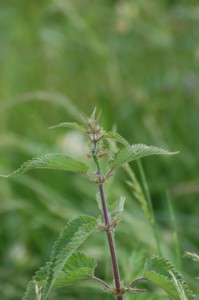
x=179, y=287
x=117, y=206
x=72, y=125
x=117, y=137
x=134, y=152
x=52, y=161
x=72, y=236
x=78, y=267
x=159, y=271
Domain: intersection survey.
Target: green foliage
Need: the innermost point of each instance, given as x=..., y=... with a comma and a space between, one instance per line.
x=52, y=161
x=193, y=256
x=72, y=125
x=138, y=61
x=161, y=272
x=115, y=207
x=116, y=137
x=72, y=236
x=67, y=267
x=138, y=194
x=179, y=287
x=78, y=267
x=134, y=152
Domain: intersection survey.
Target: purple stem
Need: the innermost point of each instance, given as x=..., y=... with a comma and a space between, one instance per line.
x=116, y=273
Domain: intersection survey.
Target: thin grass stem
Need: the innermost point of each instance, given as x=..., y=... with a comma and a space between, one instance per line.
x=174, y=231
x=148, y=197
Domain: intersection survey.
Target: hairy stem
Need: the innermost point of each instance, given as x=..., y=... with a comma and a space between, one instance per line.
x=111, y=244
x=107, y=220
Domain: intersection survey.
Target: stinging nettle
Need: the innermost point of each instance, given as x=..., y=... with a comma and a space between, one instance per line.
x=67, y=265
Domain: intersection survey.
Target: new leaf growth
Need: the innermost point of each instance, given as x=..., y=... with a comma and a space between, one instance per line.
x=67, y=265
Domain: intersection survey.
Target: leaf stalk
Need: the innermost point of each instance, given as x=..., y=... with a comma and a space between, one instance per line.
x=133, y=282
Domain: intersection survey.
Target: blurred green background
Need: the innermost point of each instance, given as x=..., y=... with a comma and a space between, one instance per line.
x=136, y=60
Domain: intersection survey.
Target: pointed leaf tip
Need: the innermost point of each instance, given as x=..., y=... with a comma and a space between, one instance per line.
x=134, y=152
x=92, y=117
x=72, y=125
x=117, y=137
x=56, y=161
x=117, y=206
x=6, y=176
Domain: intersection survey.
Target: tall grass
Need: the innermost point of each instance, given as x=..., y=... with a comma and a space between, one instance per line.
x=136, y=61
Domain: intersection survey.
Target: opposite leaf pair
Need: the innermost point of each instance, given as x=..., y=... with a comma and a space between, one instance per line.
x=66, y=265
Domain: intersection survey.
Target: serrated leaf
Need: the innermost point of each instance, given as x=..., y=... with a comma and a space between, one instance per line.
x=52, y=161
x=72, y=125
x=134, y=152
x=72, y=236
x=78, y=267
x=117, y=137
x=179, y=287
x=158, y=270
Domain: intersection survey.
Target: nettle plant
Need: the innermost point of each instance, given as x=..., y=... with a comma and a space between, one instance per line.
x=68, y=266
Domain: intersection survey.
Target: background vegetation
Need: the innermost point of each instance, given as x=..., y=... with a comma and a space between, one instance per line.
x=138, y=62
